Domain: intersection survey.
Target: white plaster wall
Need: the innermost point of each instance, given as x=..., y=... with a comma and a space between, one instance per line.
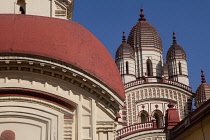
x=8, y=6
x=155, y=55
x=157, y=62
x=38, y=7
x=121, y=64
x=27, y=131
x=174, y=71
x=89, y=113
x=128, y=78
x=33, y=7
x=30, y=121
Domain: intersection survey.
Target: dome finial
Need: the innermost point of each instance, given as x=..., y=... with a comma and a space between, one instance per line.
x=174, y=38
x=142, y=15
x=203, y=79
x=123, y=37
x=170, y=105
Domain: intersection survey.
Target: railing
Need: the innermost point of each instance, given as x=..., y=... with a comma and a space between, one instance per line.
x=165, y=81
x=134, y=83
x=178, y=84
x=134, y=128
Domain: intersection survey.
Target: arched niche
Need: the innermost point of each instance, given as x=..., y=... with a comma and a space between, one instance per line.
x=158, y=116
x=143, y=116
x=21, y=7
x=149, y=68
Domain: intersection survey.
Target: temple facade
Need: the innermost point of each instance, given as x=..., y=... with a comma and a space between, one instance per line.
x=150, y=83
x=58, y=82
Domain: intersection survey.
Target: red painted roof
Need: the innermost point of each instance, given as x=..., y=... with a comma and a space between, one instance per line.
x=62, y=40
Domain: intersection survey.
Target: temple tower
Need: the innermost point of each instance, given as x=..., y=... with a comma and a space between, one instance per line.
x=146, y=42
x=177, y=63
x=125, y=60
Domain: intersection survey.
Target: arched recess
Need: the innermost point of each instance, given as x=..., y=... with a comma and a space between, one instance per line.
x=21, y=6
x=180, y=68
x=67, y=104
x=158, y=116
x=127, y=67
x=143, y=116
x=149, y=68
x=35, y=112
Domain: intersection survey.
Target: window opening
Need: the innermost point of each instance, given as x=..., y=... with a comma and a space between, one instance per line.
x=149, y=68
x=22, y=6
x=180, y=68
x=127, y=69
x=158, y=118
x=143, y=117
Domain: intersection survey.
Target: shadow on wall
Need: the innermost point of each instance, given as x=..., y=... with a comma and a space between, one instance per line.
x=159, y=69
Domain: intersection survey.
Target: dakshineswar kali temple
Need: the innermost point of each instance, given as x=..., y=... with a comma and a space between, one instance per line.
x=58, y=82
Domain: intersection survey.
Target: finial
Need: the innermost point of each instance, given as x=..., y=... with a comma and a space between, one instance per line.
x=170, y=105
x=142, y=15
x=174, y=38
x=123, y=37
x=203, y=79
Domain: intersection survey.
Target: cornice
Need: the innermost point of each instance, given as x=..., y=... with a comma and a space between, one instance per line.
x=68, y=74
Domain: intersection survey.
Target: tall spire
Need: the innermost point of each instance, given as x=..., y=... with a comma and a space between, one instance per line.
x=203, y=79
x=123, y=37
x=174, y=38
x=142, y=15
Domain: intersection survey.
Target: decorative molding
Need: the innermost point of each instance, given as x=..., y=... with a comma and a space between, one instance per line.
x=37, y=101
x=55, y=70
x=156, y=93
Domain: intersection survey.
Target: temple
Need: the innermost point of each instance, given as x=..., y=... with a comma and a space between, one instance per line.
x=58, y=81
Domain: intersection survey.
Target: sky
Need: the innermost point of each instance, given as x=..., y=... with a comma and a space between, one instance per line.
x=190, y=19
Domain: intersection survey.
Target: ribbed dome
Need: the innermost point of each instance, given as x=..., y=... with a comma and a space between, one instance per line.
x=124, y=50
x=203, y=91
x=143, y=34
x=175, y=51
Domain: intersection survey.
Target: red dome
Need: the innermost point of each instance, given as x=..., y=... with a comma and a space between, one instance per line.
x=62, y=40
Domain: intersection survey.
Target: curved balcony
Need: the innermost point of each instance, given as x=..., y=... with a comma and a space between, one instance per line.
x=135, y=128
x=156, y=80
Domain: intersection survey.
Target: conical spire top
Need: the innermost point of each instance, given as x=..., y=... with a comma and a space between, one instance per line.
x=142, y=15
x=174, y=38
x=203, y=79
x=123, y=37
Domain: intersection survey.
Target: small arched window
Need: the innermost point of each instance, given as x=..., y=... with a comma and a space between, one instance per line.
x=180, y=68
x=149, y=68
x=157, y=114
x=143, y=116
x=22, y=6
x=127, y=67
